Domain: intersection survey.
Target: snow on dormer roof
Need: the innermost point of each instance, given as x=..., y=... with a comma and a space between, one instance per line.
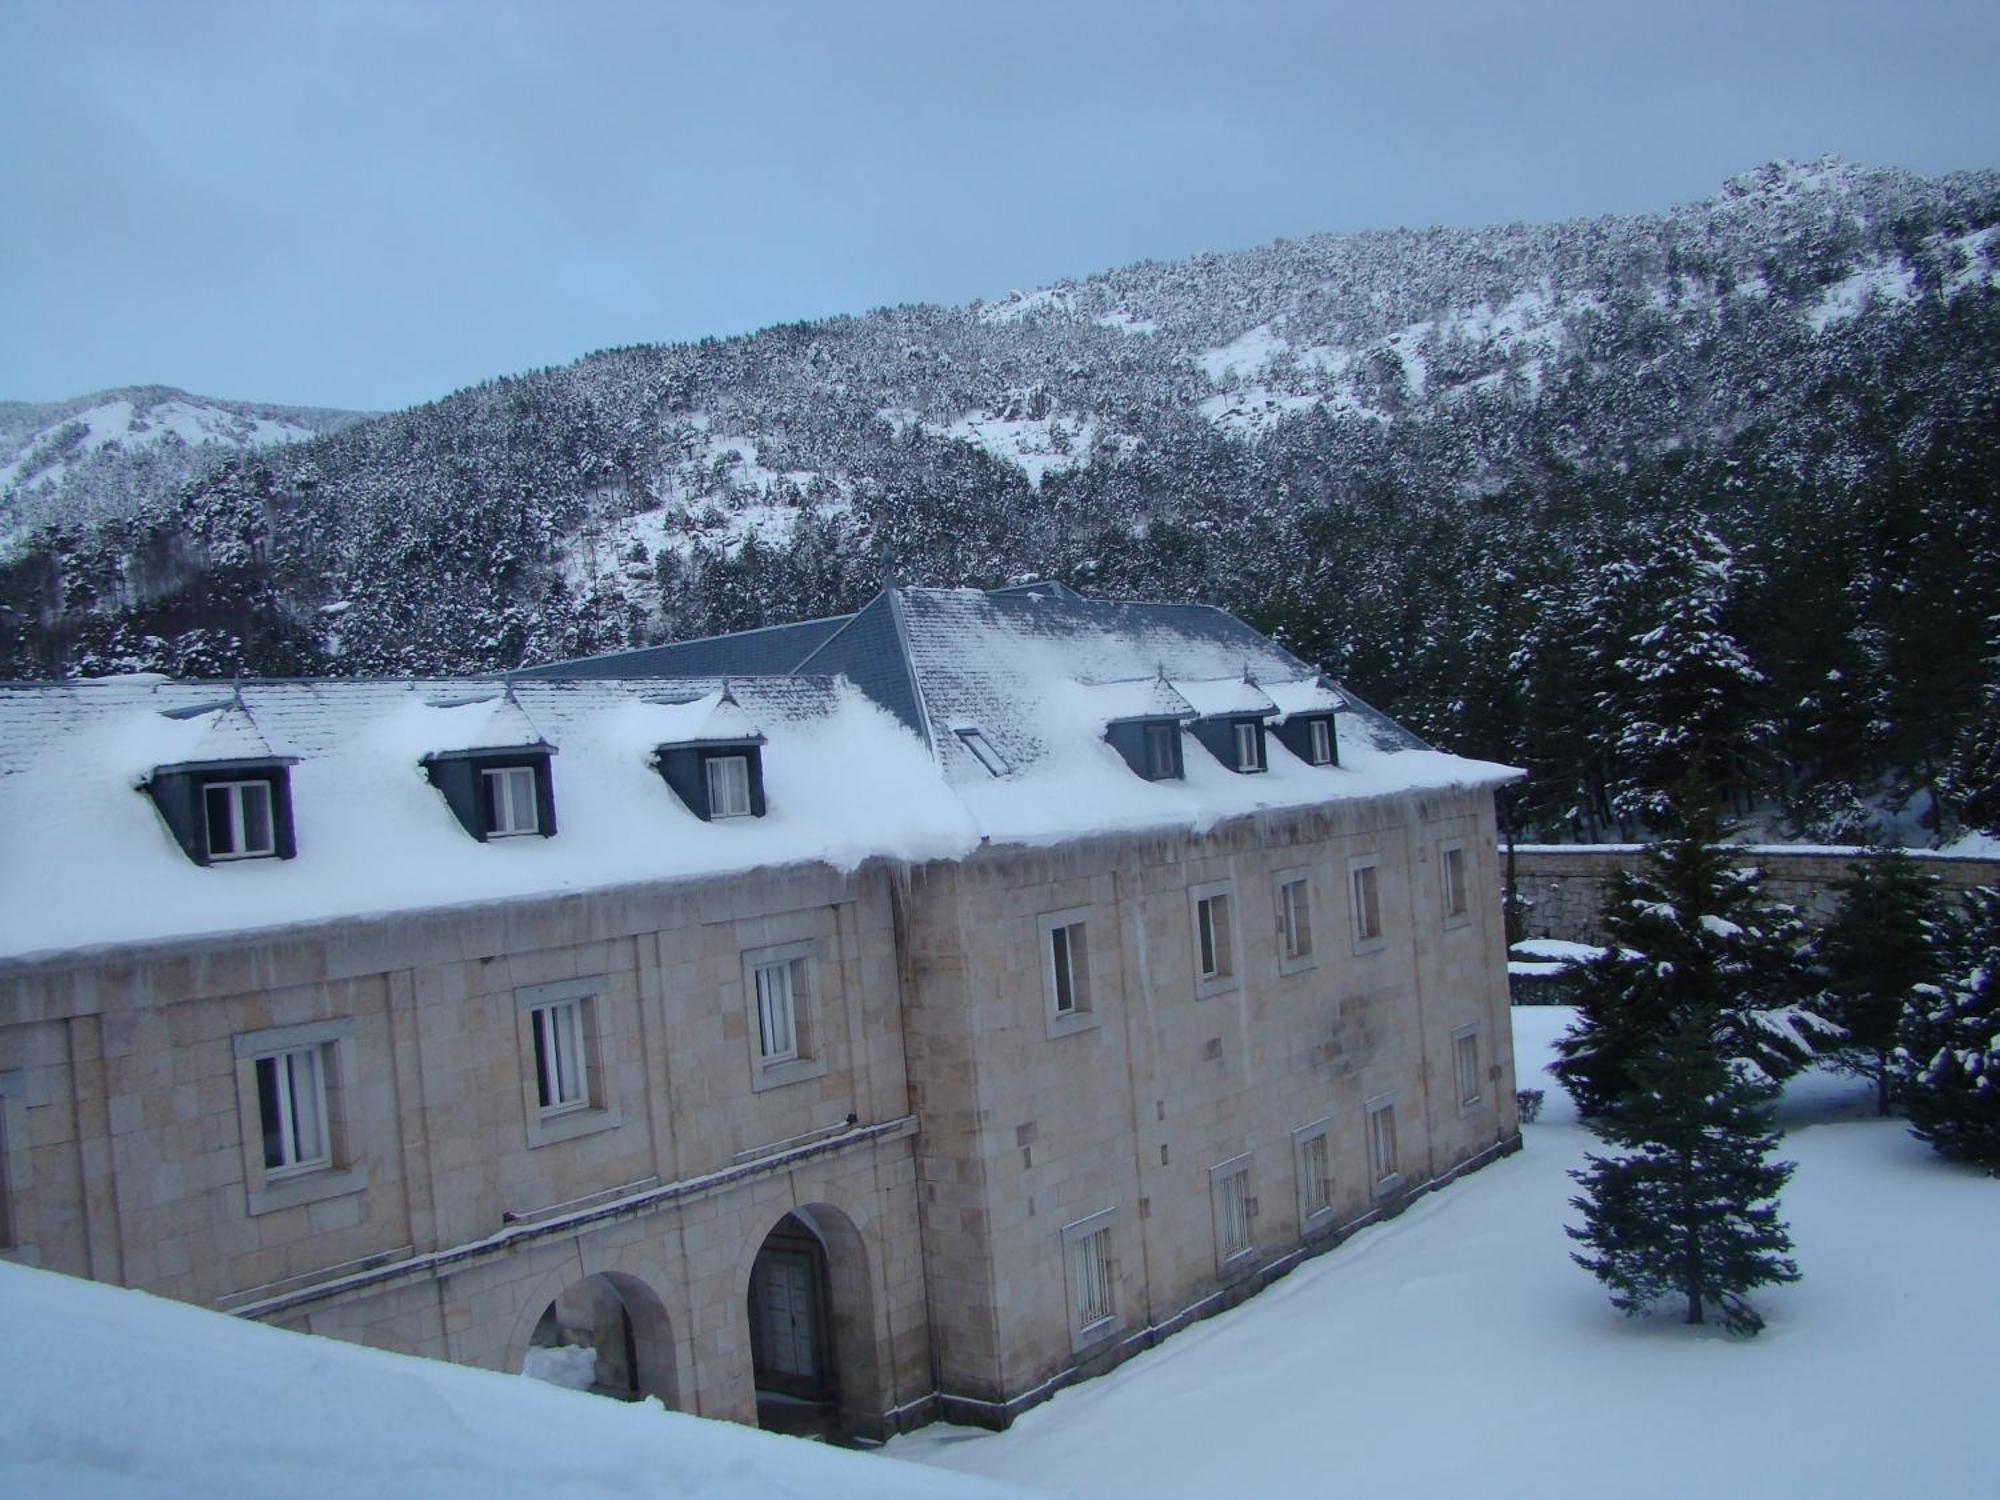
x=1139, y=698
x=213, y=733
x=715, y=718
x=1308, y=695
x=1223, y=697
x=477, y=725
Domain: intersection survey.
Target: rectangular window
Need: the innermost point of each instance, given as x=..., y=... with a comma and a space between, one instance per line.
x=1320, y=738
x=1249, y=748
x=1069, y=970
x=1451, y=868
x=291, y=1108
x=510, y=801
x=1367, y=904
x=239, y=820
x=1382, y=1141
x=729, y=786
x=1212, y=935
x=1465, y=1058
x=982, y=751
x=1161, y=764
x=561, y=1074
x=1295, y=918
x=1092, y=1277
x=777, y=1017
x=1315, y=1173
x=1229, y=1184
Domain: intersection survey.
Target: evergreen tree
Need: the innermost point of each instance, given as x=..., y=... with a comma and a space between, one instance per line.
x=1949, y=1053
x=1691, y=935
x=1691, y=1209
x=1878, y=950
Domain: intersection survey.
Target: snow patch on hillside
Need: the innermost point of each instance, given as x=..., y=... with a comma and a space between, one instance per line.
x=46, y=456
x=1883, y=281
x=1018, y=305
x=1124, y=322
x=1973, y=256
x=1037, y=445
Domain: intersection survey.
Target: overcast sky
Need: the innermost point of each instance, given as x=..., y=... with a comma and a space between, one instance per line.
x=365, y=204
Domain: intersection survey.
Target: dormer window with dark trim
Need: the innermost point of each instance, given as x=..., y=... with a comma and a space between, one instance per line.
x=497, y=794
x=716, y=781
x=1249, y=745
x=1237, y=741
x=223, y=812
x=1311, y=738
x=1151, y=747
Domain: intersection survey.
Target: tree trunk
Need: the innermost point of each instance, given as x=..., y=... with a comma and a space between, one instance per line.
x=1882, y=1086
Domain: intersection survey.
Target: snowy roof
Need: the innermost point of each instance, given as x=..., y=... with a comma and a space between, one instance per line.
x=866, y=758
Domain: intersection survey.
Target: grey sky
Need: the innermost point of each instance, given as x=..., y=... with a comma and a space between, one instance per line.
x=365, y=204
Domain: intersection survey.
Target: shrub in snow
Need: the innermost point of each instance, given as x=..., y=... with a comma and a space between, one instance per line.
x=1690, y=935
x=1691, y=1209
x=1529, y=1103
x=1876, y=953
x=1948, y=1057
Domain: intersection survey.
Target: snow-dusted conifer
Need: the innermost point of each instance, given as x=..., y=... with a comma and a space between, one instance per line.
x=1876, y=953
x=1690, y=935
x=1949, y=1053
x=1690, y=1209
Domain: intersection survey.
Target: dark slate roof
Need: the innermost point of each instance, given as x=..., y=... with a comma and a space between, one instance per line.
x=769, y=651
x=872, y=650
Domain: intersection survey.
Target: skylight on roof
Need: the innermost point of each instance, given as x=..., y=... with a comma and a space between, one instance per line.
x=982, y=751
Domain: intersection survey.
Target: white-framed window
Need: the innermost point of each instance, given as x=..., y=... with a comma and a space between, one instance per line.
x=291, y=1109
x=1295, y=944
x=1313, y=1157
x=1162, y=752
x=1249, y=747
x=729, y=786
x=291, y=1083
x=1065, y=940
x=1319, y=741
x=1452, y=880
x=510, y=801
x=1383, y=1163
x=1212, y=914
x=1235, y=1207
x=240, y=825
x=562, y=1071
x=566, y=1090
x=1091, y=1275
x=982, y=751
x=779, y=1000
x=1365, y=882
x=1466, y=1066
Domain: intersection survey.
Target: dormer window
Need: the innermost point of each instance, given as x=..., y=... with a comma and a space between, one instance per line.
x=1319, y=741
x=1163, y=752
x=510, y=801
x=728, y=786
x=497, y=794
x=1249, y=745
x=240, y=825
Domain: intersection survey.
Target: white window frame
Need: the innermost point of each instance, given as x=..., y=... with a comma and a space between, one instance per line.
x=1234, y=1202
x=783, y=1016
x=1385, y=1162
x=1312, y=1159
x=508, y=814
x=234, y=801
x=1215, y=948
x=1056, y=932
x=1294, y=920
x=325, y=1050
x=569, y=1016
x=1319, y=742
x=1249, y=746
x=1448, y=855
x=291, y=1086
x=1090, y=1275
x=1471, y=1085
x=1364, y=896
x=728, y=774
x=1167, y=737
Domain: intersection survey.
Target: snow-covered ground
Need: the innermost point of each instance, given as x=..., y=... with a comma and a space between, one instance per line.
x=1456, y=1350
x=111, y=1392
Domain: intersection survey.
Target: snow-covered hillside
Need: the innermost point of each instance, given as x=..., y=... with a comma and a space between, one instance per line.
x=1456, y=1350
x=60, y=461
x=112, y=1392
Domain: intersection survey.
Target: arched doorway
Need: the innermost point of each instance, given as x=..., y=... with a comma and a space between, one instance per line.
x=607, y=1334
x=812, y=1335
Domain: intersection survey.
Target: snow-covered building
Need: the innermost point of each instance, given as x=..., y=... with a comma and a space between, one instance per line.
x=878, y=1018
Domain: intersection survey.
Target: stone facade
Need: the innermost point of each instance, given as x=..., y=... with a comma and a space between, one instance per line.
x=1563, y=888
x=947, y=1133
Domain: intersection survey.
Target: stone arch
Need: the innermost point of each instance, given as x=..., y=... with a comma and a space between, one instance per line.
x=850, y=1375
x=620, y=1316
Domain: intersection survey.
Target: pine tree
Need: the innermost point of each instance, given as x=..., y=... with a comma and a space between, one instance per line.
x=1691, y=1209
x=1878, y=950
x=1691, y=935
x=1949, y=1053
